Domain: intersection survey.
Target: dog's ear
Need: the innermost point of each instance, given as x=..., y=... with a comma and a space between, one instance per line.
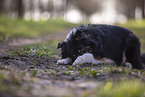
x=79, y=32
x=60, y=45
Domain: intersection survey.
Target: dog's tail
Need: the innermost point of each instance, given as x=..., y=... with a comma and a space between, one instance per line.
x=143, y=59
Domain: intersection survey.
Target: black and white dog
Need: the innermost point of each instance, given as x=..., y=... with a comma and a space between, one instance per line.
x=97, y=43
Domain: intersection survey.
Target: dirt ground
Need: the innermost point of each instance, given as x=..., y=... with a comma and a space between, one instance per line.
x=40, y=76
x=23, y=70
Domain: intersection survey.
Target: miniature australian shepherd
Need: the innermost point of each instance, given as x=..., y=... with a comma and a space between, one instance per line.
x=100, y=43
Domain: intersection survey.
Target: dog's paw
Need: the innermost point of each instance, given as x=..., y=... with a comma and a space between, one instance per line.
x=127, y=64
x=86, y=58
x=61, y=62
x=64, y=61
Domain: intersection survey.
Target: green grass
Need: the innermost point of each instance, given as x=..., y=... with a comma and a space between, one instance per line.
x=123, y=89
x=127, y=88
x=39, y=50
x=10, y=28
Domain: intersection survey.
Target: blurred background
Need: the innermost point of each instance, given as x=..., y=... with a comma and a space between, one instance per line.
x=34, y=18
x=75, y=11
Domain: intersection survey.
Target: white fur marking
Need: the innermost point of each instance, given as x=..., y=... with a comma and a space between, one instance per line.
x=64, y=61
x=85, y=58
x=89, y=58
x=127, y=64
x=72, y=32
x=106, y=61
x=123, y=58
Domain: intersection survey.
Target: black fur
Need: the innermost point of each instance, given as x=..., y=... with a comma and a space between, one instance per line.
x=143, y=59
x=103, y=41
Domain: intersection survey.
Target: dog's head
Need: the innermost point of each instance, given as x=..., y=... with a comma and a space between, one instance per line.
x=74, y=44
x=78, y=42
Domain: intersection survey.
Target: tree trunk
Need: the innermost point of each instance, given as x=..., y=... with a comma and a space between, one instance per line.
x=20, y=9
x=143, y=8
x=1, y=6
x=133, y=9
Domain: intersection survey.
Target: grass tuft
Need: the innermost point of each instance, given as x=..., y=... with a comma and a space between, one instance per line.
x=43, y=49
x=123, y=89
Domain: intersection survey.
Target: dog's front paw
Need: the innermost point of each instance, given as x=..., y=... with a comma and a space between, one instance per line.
x=64, y=61
x=61, y=62
x=127, y=64
x=86, y=58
